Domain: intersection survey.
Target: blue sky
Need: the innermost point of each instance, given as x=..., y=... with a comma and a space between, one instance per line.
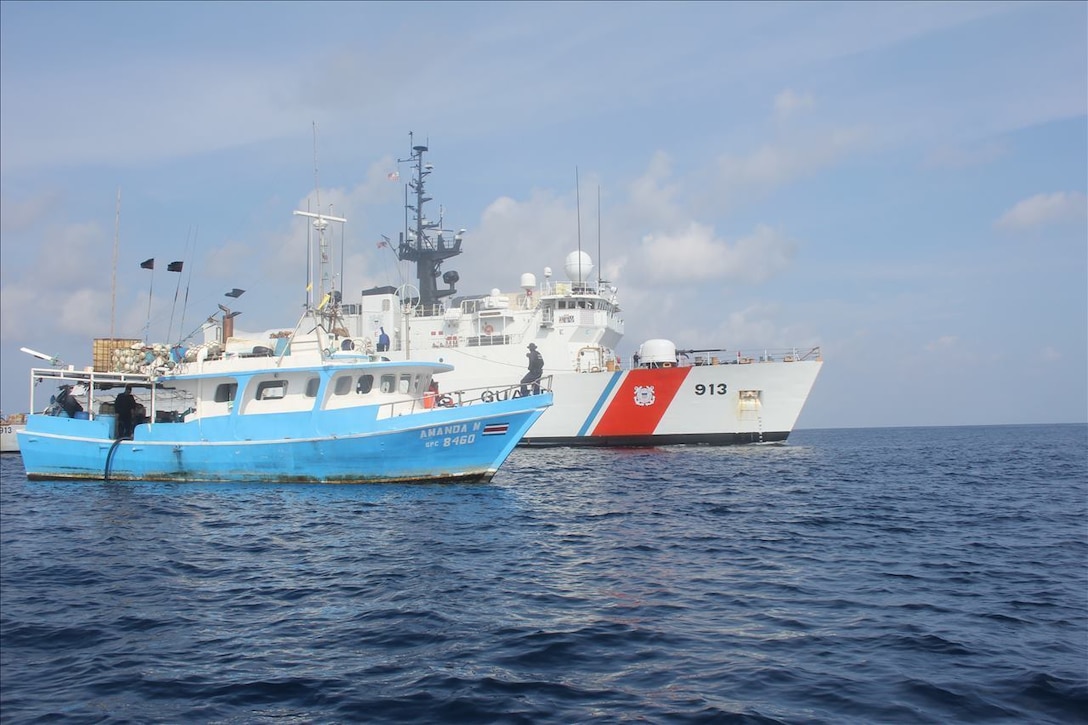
x=902, y=184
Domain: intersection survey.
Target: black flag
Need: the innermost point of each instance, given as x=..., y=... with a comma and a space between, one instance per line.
x=174, y=267
x=235, y=292
x=148, y=264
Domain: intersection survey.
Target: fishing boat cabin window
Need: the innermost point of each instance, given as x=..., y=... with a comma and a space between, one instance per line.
x=311, y=387
x=365, y=384
x=389, y=383
x=405, y=383
x=343, y=385
x=272, y=390
x=226, y=392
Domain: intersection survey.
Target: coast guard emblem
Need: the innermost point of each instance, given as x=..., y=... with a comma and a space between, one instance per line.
x=644, y=395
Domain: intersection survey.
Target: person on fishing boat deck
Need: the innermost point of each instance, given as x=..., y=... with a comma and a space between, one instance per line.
x=124, y=405
x=383, y=340
x=68, y=402
x=536, y=369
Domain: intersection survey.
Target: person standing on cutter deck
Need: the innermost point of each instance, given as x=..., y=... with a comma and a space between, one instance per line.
x=536, y=370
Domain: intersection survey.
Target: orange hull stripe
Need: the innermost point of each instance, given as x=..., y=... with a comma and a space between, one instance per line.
x=624, y=416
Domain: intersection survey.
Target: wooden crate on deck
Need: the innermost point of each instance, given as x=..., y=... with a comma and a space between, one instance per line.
x=103, y=351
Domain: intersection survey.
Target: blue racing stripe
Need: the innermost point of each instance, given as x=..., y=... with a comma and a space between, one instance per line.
x=600, y=402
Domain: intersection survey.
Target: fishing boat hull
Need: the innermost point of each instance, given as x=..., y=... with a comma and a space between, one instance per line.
x=441, y=444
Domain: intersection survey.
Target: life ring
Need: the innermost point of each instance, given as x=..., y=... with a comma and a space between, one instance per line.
x=488, y=330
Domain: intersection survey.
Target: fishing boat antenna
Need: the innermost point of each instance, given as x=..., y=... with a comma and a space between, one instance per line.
x=149, y=264
x=185, y=303
x=177, y=267
x=320, y=224
x=116, y=244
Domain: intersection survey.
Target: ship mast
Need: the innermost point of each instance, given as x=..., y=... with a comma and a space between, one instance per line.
x=320, y=224
x=424, y=242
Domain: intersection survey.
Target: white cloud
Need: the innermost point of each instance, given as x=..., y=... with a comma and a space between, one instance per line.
x=959, y=157
x=653, y=197
x=944, y=342
x=542, y=229
x=773, y=166
x=17, y=216
x=789, y=102
x=1043, y=209
x=694, y=254
x=753, y=325
x=1050, y=354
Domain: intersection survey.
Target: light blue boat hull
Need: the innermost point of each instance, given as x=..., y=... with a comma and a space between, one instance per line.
x=341, y=446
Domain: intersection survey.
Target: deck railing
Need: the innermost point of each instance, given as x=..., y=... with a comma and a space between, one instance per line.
x=460, y=398
x=746, y=357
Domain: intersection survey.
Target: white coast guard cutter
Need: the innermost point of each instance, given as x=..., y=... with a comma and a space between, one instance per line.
x=662, y=395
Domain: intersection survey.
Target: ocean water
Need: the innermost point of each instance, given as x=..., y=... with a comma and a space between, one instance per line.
x=910, y=575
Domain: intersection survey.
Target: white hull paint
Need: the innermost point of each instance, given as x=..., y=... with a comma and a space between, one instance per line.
x=9, y=441
x=714, y=403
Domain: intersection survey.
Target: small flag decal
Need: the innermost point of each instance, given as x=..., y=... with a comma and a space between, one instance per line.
x=496, y=429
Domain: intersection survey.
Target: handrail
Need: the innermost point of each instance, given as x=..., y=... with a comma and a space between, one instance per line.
x=459, y=398
x=722, y=356
x=455, y=398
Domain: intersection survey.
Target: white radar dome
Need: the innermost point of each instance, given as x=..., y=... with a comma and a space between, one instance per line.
x=657, y=351
x=579, y=266
x=528, y=280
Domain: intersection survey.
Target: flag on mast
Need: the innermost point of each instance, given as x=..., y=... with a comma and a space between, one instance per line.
x=148, y=264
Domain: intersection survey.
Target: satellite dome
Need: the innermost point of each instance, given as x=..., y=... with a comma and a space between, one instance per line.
x=579, y=266
x=657, y=351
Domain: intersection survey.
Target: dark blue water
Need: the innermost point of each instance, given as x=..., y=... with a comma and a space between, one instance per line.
x=887, y=575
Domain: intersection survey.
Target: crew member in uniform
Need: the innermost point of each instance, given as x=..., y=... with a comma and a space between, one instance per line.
x=536, y=369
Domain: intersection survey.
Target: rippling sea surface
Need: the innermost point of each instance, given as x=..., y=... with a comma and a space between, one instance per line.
x=880, y=575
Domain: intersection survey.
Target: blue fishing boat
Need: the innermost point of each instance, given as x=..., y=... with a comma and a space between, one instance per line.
x=304, y=405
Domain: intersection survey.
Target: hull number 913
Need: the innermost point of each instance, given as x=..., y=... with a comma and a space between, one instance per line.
x=712, y=389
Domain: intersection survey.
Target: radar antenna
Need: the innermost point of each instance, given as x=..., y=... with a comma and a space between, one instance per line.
x=424, y=242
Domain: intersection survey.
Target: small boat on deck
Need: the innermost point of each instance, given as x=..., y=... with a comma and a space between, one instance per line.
x=302, y=406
